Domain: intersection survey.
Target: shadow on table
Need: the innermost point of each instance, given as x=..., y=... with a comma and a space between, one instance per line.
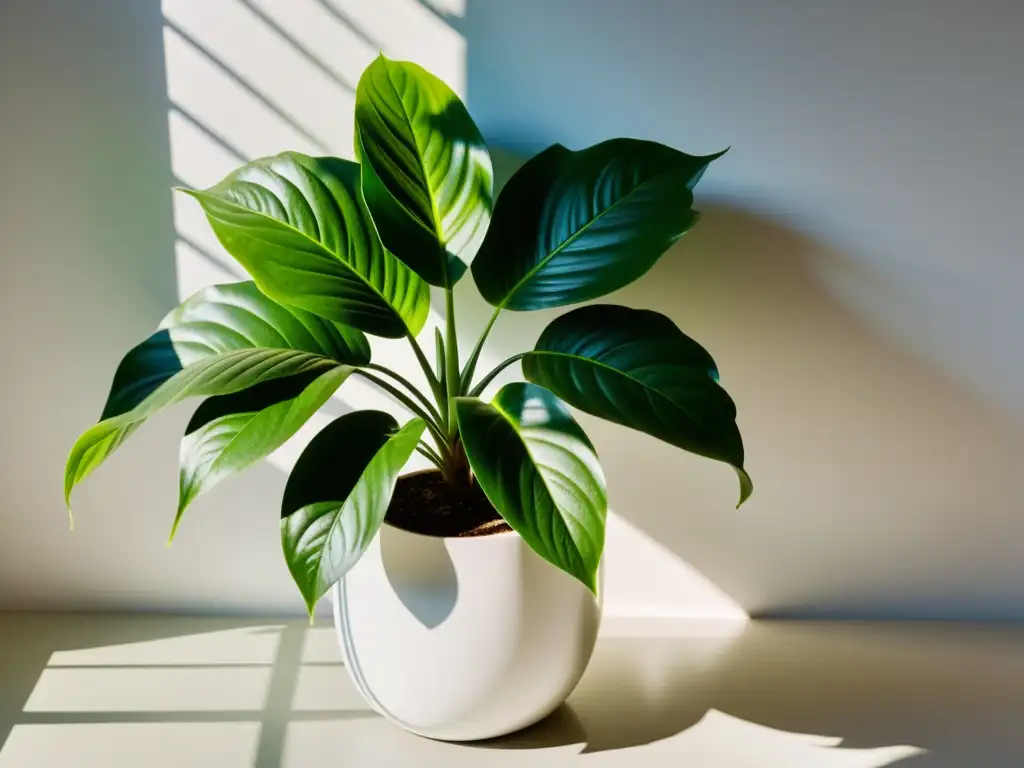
x=104, y=670
x=947, y=695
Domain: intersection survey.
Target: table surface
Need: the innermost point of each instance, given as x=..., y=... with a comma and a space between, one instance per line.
x=161, y=691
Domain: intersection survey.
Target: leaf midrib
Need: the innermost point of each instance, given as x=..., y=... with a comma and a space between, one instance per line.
x=320, y=246
x=292, y=403
x=647, y=388
x=435, y=217
x=572, y=238
x=526, y=447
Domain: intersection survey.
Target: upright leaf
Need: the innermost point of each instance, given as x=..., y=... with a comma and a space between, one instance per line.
x=539, y=470
x=636, y=368
x=223, y=339
x=299, y=226
x=572, y=226
x=338, y=494
x=426, y=171
x=229, y=433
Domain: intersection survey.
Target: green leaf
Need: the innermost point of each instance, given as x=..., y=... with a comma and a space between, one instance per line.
x=572, y=226
x=223, y=339
x=337, y=495
x=426, y=171
x=636, y=368
x=540, y=472
x=229, y=433
x=299, y=226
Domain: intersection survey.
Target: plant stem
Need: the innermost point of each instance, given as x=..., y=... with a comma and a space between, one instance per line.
x=451, y=347
x=490, y=376
x=432, y=380
x=466, y=379
x=425, y=450
x=429, y=406
x=409, y=403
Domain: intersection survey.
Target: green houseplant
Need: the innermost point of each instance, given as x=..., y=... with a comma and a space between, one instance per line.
x=338, y=249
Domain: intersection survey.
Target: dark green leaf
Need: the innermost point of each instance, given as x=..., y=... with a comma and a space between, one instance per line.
x=572, y=226
x=426, y=171
x=338, y=493
x=223, y=339
x=636, y=368
x=299, y=226
x=540, y=472
x=229, y=433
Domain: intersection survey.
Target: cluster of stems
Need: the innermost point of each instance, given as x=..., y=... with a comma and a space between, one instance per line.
x=447, y=380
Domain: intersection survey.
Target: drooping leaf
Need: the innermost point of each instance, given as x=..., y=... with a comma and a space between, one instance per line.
x=338, y=494
x=426, y=171
x=229, y=433
x=299, y=226
x=539, y=470
x=223, y=339
x=636, y=368
x=573, y=226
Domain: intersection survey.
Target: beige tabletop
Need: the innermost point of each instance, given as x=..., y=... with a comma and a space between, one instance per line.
x=157, y=692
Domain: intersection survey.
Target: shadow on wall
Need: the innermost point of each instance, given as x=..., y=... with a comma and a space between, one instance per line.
x=859, y=451
x=882, y=488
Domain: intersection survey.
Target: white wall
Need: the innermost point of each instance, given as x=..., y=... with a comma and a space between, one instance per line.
x=855, y=276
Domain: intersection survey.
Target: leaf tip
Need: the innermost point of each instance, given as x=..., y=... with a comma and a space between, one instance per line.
x=174, y=526
x=311, y=602
x=71, y=520
x=746, y=486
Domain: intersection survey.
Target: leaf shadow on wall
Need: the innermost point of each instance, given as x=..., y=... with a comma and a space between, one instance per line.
x=871, y=467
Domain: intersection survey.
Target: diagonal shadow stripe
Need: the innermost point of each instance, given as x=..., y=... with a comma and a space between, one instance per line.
x=242, y=83
x=219, y=139
x=299, y=47
x=347, y=21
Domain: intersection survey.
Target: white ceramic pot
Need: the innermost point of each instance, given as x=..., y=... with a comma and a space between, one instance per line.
x=462, y=638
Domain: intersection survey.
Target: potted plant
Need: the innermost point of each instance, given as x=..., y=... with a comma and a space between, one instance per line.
x=467, y=598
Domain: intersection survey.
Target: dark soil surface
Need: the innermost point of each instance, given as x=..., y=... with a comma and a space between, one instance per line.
x=424, y=503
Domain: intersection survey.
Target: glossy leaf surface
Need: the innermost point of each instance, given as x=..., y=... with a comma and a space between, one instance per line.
x=636, y=368
x=229, y=433
x=541, y=473
x=426, y=172
x=338, y=494
x=573, y=226
x=299, y=226
x=223, y=339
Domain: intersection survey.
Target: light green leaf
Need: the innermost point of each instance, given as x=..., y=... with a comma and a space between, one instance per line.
x=636, y=368
x=573, y=226
x=299, y=226
x=539, y=470
x=426, y=171
x=222, y=340
x=229, y=433
x=338, y=494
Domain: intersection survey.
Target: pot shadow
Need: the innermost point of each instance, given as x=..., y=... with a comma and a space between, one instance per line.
x=800, y=693
x=421, y=573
